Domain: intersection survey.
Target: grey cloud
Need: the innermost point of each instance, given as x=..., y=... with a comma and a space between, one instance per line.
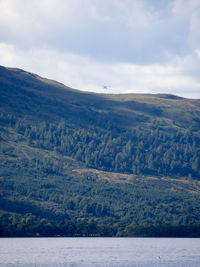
x=129, y=31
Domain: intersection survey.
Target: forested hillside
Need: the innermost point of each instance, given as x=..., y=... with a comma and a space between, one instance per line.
x=78, y=163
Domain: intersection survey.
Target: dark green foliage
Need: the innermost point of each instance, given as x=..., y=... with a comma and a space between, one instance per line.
x=138, y=151
x=80, y=164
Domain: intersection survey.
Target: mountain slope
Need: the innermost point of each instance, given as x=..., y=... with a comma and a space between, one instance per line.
x=26, y=93
x=78, y=163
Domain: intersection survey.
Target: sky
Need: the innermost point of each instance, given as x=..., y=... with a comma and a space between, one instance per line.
x=106, y=46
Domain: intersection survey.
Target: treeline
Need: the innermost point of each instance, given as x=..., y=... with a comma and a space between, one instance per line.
x=29, y=226
x=149, y=151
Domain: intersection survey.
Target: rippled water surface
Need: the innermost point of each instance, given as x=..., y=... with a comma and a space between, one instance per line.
x=100, y=252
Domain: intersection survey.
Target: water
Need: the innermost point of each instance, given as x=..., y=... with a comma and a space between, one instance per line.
x=170, y=252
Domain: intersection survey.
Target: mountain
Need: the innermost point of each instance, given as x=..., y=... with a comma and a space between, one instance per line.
x=80, y=163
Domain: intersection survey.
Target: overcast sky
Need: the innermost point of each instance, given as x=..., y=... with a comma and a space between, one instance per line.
x=131, y=46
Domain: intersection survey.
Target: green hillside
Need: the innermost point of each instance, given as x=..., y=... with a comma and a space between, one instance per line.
x=78, y=163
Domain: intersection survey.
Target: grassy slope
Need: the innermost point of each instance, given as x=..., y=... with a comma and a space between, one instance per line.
x=25, y=93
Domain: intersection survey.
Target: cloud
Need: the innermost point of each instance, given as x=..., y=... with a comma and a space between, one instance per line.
x=133, y=31
x=133, y=46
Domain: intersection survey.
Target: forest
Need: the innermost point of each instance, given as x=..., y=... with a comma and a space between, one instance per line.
x=153, y=151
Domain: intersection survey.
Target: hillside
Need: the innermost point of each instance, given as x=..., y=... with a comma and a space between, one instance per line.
x=79, y=163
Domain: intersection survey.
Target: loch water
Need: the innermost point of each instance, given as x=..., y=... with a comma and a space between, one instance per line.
x=170, y=252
